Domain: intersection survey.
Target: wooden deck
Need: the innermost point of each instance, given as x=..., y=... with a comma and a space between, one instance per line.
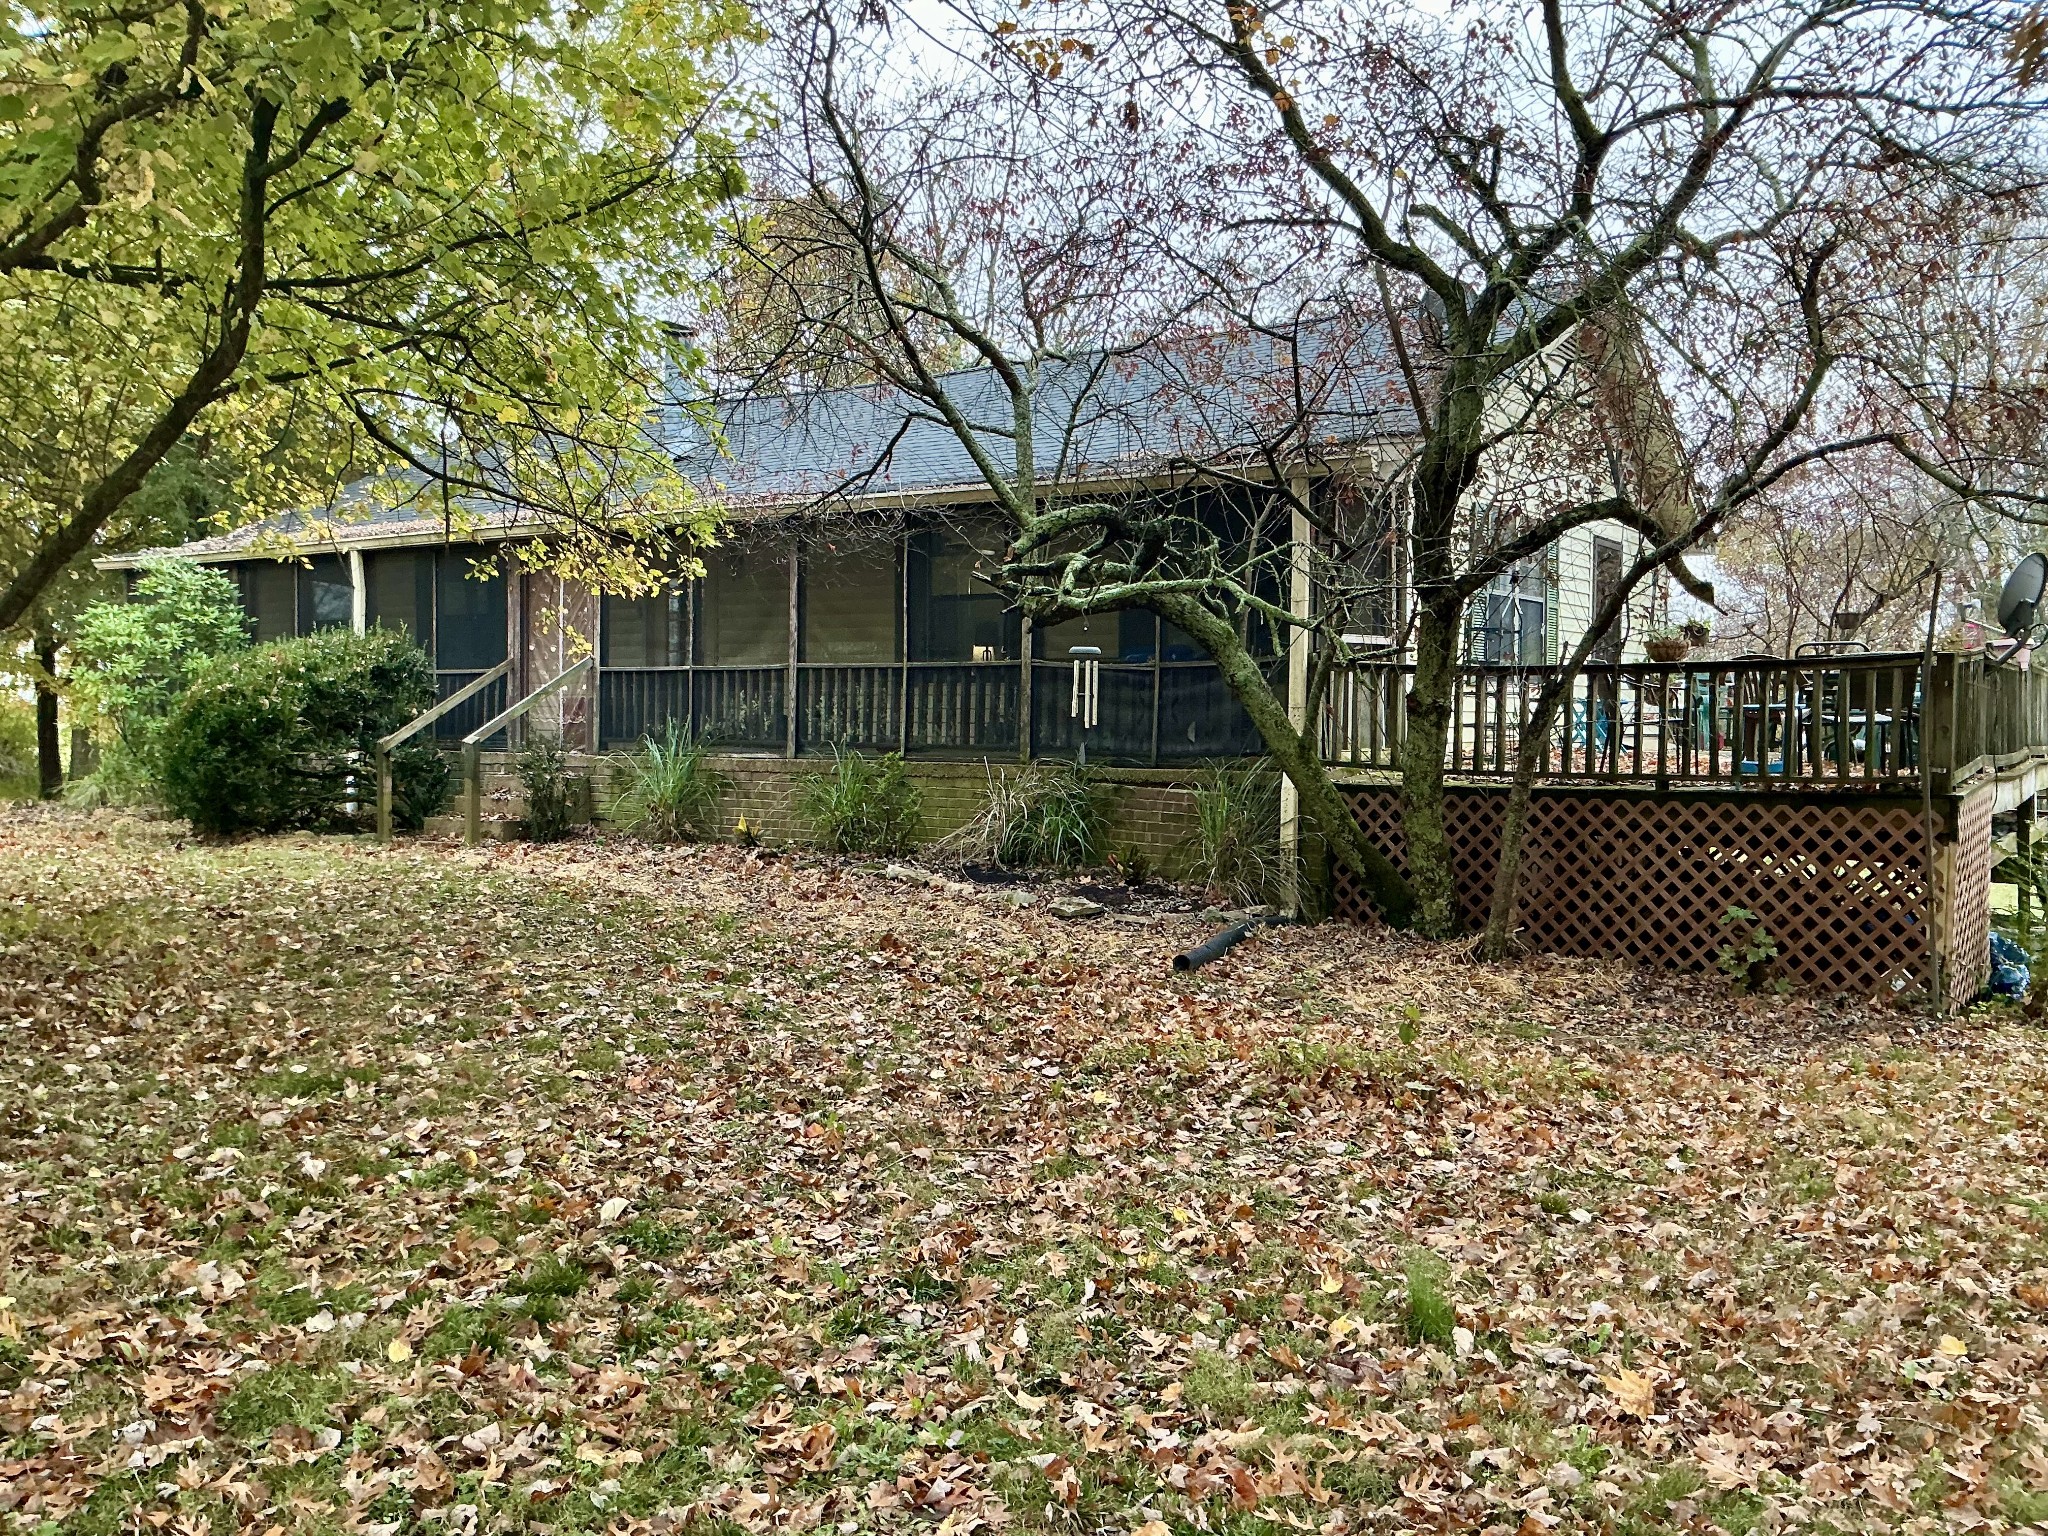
x=1874, y=722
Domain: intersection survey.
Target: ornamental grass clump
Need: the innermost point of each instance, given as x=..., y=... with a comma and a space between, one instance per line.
x=1237, y=854
x=862, y=805
x=669, y=791
x=1047, y=816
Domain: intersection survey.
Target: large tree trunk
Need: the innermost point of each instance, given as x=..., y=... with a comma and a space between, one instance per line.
x=1514, y=830
x=1295, y=752
x=49, y=749
x=1422, y=771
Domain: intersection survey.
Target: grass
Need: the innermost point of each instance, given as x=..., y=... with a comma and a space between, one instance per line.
x=1236, y=844
x=1429, y=1316
x=608, y=1162
x=669, y=791
x=280, y=1395
x=1048, y=815
x=862, y=804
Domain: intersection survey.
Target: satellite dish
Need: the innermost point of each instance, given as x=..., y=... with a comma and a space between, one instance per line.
x=2021, y=600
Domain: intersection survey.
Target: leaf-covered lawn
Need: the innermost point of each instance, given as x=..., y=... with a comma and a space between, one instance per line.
x=586, y=1188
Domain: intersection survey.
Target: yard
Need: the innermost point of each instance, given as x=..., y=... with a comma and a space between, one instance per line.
x=579, y=1188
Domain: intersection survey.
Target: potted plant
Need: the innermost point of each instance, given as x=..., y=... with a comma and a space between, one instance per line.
x=1668, y=642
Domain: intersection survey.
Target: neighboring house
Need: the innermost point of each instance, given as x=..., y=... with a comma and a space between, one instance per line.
x=844, y=609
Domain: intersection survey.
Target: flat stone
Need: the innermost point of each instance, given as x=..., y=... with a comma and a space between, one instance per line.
x=1074, y=906
x=1016, y=901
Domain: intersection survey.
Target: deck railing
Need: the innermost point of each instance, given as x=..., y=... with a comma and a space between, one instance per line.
x=1841, y=721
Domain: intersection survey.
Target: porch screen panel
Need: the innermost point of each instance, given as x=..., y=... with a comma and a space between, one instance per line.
x=1200, y=718
x=401, y=591
x=470, y=598
x=648, y=631
x=852, y=604
x=327, y=598
x=743, y=608
x=1132, y=636
x=270, y=597
x=850, y=688
x=954, y=616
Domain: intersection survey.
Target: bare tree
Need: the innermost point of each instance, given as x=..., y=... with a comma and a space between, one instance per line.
x=1545, y=173
x=1572, y=265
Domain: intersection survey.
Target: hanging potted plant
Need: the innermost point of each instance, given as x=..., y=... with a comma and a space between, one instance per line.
x=1667, y=643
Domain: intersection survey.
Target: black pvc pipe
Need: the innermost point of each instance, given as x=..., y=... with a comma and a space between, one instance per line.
x=1214, y=945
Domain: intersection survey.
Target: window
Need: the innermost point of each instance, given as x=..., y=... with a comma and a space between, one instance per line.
x=401, y=592
x=1534, y=632
x=470, y=603
x=954, y=616
x=743, y=608
x=651, y=631
x=327, y=598
x=852, y=603
x=1510, y=621
x=270, y=597
x=1606, y=582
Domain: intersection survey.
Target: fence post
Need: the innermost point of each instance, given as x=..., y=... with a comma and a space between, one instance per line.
x=383, y=796
x=1938, y=723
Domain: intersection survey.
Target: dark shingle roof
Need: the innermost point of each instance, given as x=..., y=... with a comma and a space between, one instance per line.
x=1098, y=416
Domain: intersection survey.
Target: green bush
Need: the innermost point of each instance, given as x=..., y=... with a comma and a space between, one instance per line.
x=670, y=791
x=864, y=805
x=283, y=736
x=550, y=787
x=135, y=659
x=1237, y=853
x=17, y=748
x=1049, y=815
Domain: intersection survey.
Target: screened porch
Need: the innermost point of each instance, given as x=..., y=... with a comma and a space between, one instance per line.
x=889, y=643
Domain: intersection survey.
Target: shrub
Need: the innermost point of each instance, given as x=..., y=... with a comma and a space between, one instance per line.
x=550, y=787
x=1237, y=853
x=1049, y=814
x=864, y=805
x=670, y=791
x=1751, y=954
x=135, y=659
x=17, y=747
x=282, y=736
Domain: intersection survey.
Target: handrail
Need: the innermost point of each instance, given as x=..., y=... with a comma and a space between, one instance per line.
x=472, y=745
x=398, y=738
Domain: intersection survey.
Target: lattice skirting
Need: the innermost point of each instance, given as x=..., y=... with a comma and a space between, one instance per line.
x=1839, y=885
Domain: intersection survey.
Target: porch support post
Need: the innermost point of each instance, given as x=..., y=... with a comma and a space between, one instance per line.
x=359, y=594
x=1298, y=598
x=789, y=687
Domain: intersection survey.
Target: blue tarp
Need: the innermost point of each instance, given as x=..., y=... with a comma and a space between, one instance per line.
x=2010, y=973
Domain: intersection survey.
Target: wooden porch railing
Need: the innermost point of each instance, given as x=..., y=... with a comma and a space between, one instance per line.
x=472, y=745
x=398, y=738
x=1769, y=722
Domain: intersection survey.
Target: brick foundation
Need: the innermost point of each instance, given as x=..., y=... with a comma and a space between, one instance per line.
x=1151, y=821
